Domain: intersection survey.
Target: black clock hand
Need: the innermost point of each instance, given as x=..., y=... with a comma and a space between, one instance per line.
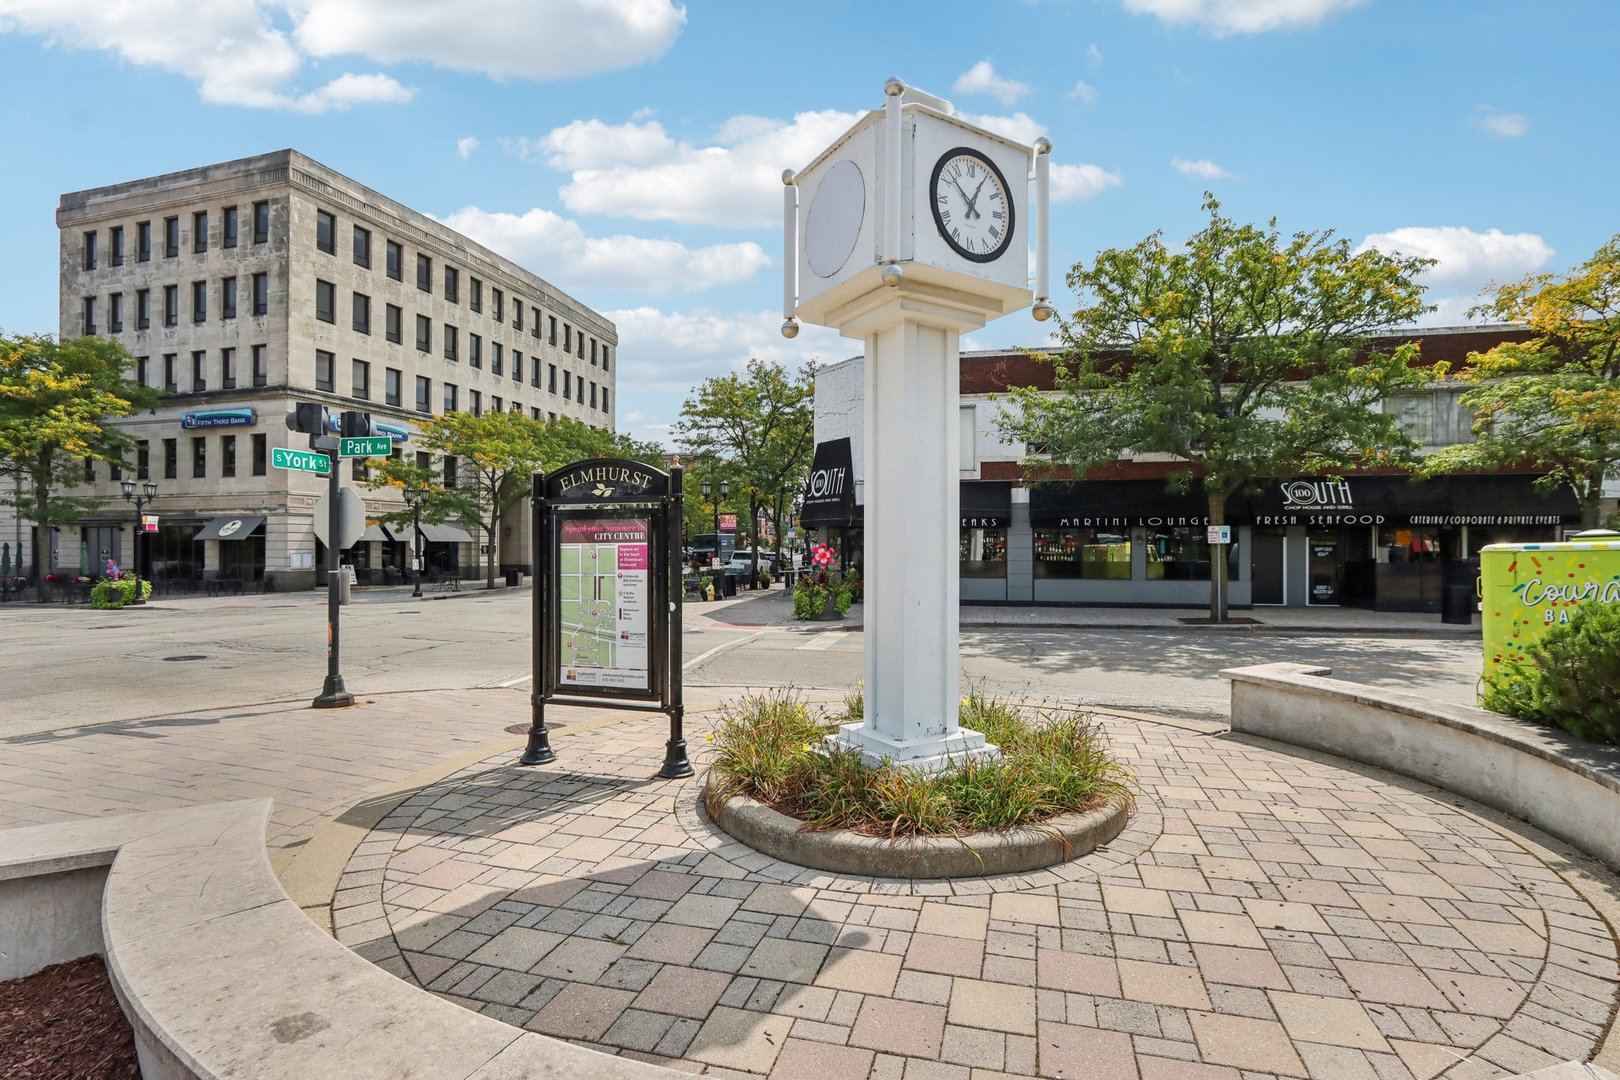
x=964, y=195
x=972, y=203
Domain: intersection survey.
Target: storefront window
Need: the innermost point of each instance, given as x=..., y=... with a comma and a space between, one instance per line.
x=1411, y=544
x=1183, y=555
x=984, y=553
x=1082, y=553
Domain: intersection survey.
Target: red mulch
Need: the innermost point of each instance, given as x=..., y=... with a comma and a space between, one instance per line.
x=63, y=1023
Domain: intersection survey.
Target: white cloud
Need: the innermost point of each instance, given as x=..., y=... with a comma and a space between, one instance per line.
x=466, y=146
x=559, y=250
x=670, y=352
x=1094, y=55
x=1500, y=124
x=1203, y=169
x=981, y=78
x=1084, y=91
x=733, y=182
x=347, y=90
x=1224, y=17
x=1465, y=258
x=1070, y=182
x=1019, y=127
x=500, y=38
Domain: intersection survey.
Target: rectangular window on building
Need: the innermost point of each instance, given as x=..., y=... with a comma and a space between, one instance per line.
x=395, y=261
x=593, y=395
x=362, y=247
x=143, y=309
x=261, y=294
x=534, y=323
x=358, y=469
x=517, y=314
x=199, y=301
x=170, y=375
x=475, y=294
x=495, y=403
x=227, y=368
x=497, y=304
x=115, y=313
x=89, y=315
x=452, y=342
x=171, y=459
x=260, y=453
x=1096, y=554
x=534, y=413
x=391, y=324
x=452, y=285
x=115, y=245
x=143, y=241
x=424, y=273
x=227, y=455
x=579, y=344
x=983, y=553
x=114, y=471
x=323, y=370
x=495, y=358
x=227, y=299
x=143, y=461
x=534, y=372
x=551, y=378
x=325, y=301
x=228, y=230
x=475, y=351
x=551, y=329
x=517, y=366
x=325, y=232
x=451, y=463
x=593, y=352
x=362, y=380
x=568, y=338
x=568, y=384
x=261, y=222
x=362, y=313
x=142, y=374
x=391, y=386
x=424, y=460
x=424, y=334
x=475, y=402
x=424, y=394
x=199, y=231
x=199, y=456
x=261, y=365
x=89, y=470
x=90, y=251
x=605, y=406
x=171, y=237
x=1182, y=554
x=199, y=370
x=451, y=398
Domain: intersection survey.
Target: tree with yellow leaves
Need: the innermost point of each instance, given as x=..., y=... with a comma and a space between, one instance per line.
x=1551, y=402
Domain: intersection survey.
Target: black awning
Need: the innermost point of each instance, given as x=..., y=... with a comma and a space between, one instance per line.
x=1501, y=499
x=986, y=504
x=829, y=495
x=1117, y=504
x=231, y=527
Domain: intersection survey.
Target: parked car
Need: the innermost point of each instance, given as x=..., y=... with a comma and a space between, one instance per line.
x=744, y=560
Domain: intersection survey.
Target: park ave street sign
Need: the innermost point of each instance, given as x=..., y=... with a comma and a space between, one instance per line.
x=372, y=446
x=300, y=460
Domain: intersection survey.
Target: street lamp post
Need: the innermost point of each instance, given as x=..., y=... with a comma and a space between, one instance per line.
x=147, y=493
x=725, y=490
x=413, y=498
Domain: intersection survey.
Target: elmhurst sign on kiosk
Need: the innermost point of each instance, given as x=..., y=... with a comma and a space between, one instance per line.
x=606, y=609
x=911, y=228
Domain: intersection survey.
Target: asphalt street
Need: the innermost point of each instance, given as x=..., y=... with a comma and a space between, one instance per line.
x=69, y=667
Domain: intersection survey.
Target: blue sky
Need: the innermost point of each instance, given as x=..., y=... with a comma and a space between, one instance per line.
x=628, y=151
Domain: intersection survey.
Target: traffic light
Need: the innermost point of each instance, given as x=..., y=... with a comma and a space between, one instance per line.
x=355, y=425
x=308, y=417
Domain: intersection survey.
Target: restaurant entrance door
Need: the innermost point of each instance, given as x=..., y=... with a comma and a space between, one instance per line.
x=1269, y=575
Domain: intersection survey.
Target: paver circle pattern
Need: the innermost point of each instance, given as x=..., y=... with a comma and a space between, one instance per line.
x=1263, y=915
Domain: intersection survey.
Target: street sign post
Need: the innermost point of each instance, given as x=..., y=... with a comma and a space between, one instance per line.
x=351, y=518
x=300, y=461
x=371, y=446
x=1219, y=534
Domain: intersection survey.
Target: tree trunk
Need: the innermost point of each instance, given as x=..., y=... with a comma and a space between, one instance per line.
x=1590, y=497
x=42, y=535
x=489, y=558
x=753, y=526
x=1217, y=560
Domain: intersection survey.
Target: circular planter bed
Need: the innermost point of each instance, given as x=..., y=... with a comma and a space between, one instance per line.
x=839, y=851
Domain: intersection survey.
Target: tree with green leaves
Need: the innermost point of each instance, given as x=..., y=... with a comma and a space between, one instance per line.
x=1553, y=401
x=496, y=454
x=58, y=404
x=761, y=424
x=1240, y=355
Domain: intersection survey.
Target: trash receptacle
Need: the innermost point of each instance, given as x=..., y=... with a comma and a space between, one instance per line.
x=514, y=578
x=1457, y=587
x=731, y=584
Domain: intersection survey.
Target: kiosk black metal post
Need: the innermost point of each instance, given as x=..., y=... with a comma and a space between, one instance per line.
x=538, y=751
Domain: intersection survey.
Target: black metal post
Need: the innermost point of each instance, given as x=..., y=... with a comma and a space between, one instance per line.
x=416, y=547
x=538, y=751
x=676, y=764
x=333, y=694
x=135, y=549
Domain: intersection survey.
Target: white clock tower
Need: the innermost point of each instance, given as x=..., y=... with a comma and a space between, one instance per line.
x=913, y=227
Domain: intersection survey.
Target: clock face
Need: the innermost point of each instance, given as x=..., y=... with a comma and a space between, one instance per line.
x=972, y=205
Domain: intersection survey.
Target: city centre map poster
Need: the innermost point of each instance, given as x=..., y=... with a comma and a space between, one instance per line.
x=604, y=578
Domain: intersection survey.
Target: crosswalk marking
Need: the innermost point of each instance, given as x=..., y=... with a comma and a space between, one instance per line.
x=822, y=641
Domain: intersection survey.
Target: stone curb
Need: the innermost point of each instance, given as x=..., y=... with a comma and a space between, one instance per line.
x=1015, y=851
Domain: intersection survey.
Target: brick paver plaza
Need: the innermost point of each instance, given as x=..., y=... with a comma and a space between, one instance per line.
x=1262, y=915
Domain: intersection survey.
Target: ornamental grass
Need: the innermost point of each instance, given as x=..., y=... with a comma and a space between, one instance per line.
x=771, y=747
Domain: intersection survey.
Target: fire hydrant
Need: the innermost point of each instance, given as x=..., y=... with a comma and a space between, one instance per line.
x=708, y=590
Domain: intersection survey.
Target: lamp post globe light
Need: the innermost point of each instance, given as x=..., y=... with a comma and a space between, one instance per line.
x=147, y=492
x=725, y=491
x=413, y=499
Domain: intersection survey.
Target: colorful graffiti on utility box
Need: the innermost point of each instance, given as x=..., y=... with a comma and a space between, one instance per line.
x=1525, y=589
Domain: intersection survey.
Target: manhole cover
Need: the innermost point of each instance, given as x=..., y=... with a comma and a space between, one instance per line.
x=187, y=657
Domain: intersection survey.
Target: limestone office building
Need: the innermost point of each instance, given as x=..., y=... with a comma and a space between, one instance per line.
x=1119, y=536
x=243, y=287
